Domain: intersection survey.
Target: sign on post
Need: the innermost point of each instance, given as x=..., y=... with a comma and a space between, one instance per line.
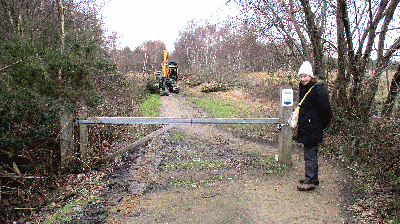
x=285, y=134
x=287, y=97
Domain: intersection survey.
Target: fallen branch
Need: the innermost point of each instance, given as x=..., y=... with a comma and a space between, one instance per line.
x=16, y=169
x=135, y=144
x=10, y=65
x=80, y=160
x=16, y=176
x=25, y=208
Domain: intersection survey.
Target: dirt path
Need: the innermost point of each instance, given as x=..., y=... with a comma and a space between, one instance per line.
x=202, y=174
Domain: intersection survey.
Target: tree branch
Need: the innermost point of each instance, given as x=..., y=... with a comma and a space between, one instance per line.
x=307, y=55
x=389, y=16
x=370, y=31
x=8, y=66
x=316, y=40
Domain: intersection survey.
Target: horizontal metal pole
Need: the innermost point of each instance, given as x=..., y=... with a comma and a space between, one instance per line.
x=236, y=120
x=172, y=120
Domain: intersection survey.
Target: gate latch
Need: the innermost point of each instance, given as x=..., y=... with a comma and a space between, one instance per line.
x=281, y=125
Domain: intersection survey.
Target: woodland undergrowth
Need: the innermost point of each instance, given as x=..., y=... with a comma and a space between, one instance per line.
x=32, y=181
x=371, y=152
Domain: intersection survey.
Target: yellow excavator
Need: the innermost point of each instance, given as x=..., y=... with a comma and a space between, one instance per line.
x=168, y=76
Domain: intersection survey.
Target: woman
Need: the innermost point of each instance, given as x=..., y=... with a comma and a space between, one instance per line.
x=314, y=116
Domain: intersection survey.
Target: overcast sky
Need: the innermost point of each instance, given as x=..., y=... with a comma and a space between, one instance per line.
x=139, y=21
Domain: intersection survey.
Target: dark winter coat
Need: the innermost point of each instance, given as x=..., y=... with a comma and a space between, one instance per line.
x=315, y=113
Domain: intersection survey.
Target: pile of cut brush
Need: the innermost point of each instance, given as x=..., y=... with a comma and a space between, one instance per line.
x=213, y=86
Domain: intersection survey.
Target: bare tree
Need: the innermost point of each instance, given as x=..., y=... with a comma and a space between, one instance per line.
x=342, y=79
x=363, y=31
x=152, y=55
x=372, y=33
x=393, y=93
x=315, y=35
x=222, y=53
x=302, y=25
x=125, y=62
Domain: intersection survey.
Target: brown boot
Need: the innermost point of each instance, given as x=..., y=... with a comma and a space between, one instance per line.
x=306, y=187
x=315, y=182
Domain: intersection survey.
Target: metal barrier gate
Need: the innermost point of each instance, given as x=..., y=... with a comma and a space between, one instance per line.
x=285, y=134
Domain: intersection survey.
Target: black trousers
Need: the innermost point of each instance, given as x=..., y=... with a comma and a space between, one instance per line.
x=311, y=163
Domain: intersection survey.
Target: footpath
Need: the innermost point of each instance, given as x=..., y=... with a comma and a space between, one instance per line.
x=202, y=174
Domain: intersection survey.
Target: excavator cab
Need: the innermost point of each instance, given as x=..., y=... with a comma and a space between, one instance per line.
x=173, y=71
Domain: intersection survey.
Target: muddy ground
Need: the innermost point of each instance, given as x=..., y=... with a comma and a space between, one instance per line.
x=203, y=174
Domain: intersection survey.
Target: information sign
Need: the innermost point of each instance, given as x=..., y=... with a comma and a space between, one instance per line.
x=287, y=97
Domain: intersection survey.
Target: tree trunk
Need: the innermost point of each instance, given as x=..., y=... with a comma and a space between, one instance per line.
x=393, y=92
x=66, y=117
x=356, y=68
x=316, y=40
x=62, y=22
x=339, y=94
x=19, y=26
x=383, y=59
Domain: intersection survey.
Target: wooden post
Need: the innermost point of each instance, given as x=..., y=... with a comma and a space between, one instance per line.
x=285, y=134
x=66, y=136
x=83, y=133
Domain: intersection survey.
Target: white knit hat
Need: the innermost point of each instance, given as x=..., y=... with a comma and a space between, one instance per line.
x=306, y=69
